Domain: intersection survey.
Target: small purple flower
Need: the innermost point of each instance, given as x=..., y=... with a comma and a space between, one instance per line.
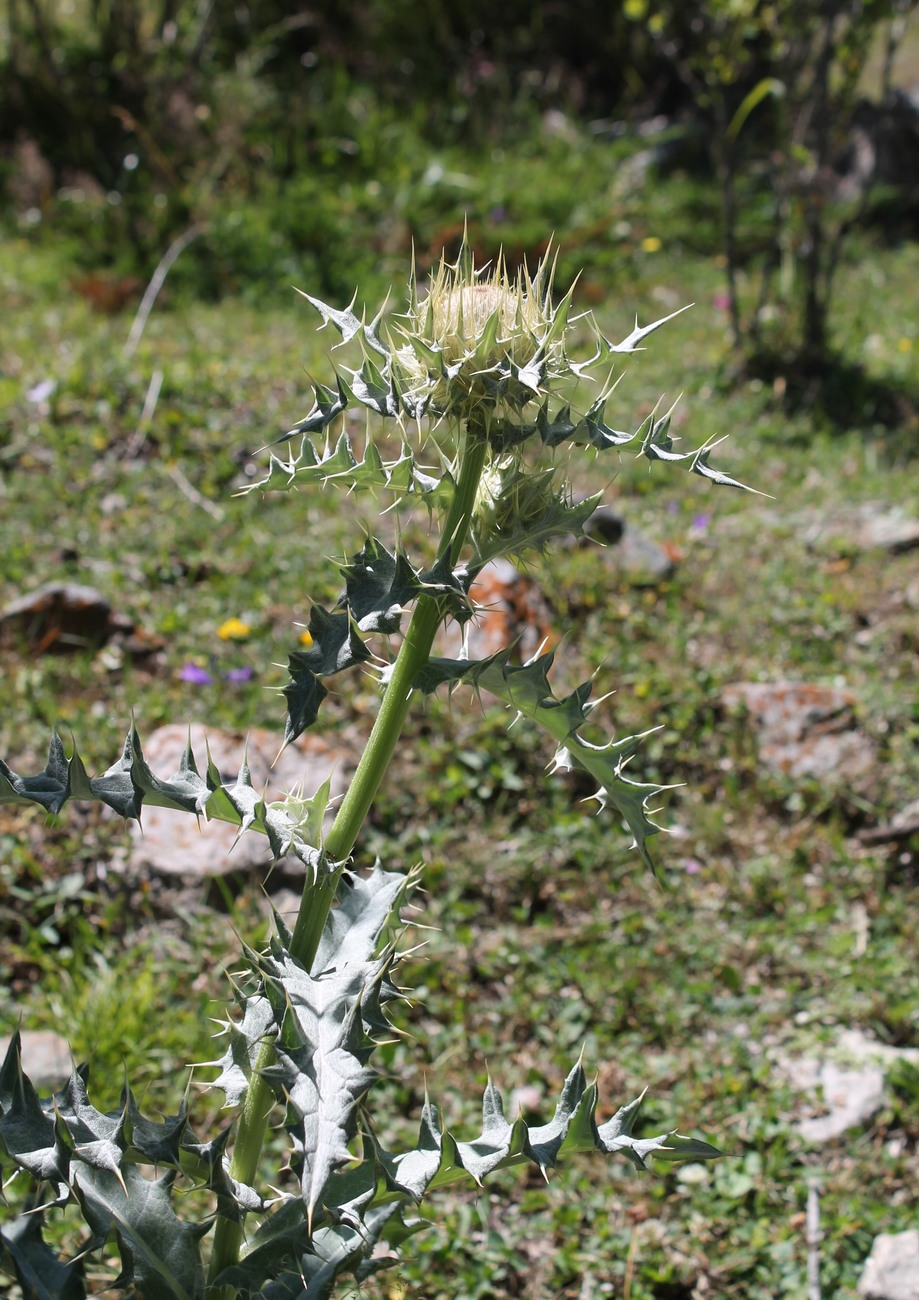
x=40, y=392
x=692, y=866
x=195, y=674
x=721, y=301
x=237, y=675
x=700, y=523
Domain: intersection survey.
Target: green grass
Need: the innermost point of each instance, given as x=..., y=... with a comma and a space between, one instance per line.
x=548, y=938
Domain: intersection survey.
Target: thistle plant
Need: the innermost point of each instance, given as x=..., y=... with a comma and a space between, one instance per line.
x=476, y=382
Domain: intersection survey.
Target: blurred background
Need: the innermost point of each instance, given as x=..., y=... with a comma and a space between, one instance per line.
x=322, y=143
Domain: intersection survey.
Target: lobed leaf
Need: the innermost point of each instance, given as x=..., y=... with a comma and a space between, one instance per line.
x=159, y=1253
x=526, y=689
x=129, y=784
x=340, y=467
x=330, y=1022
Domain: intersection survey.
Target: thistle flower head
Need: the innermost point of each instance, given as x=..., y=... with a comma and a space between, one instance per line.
x=486, y=354
x=475, y=341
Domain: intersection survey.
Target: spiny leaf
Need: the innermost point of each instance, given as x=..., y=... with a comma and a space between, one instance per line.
x=327, y=407
x=379, y=584
x=340, y=467
x=330, y=1021
x=374, y=389
x=441, y=1158
x=334, y=1251
x=33, y=1139
x=658, y=445
x=246, y=1038
x=129, y=784
x=526, y=689
x=326, y=1073
x=652, y=435
x=335, y=647
x=527, y=513
x=366, y=905
x=279, y=1240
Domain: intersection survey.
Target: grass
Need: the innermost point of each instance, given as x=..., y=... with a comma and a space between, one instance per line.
x=547, y=940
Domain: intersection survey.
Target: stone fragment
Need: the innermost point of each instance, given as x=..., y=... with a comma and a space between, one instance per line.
x=66, y=617
x=803, y=730
x=892, y=1269
x=843, y=1088
x=172, y=844
x=45, y=1058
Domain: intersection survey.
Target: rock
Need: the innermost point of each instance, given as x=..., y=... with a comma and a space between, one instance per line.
x=847, y=1083
x=605, y=526
x=45, y=1058
x=65, y=617
x=804, y=730
x=868, y=527
x=642, y=559
x=511, y=609
x=855, y=1046
x=892, y=1269
x=852, y=1097
x=172, y=844
x=61, y=617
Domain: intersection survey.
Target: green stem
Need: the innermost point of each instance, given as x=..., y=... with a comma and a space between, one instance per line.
x=319, y=895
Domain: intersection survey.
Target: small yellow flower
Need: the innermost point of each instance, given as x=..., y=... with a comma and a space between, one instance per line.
x=904, y=345
x=651, y=244
x=234, y=629
x=305, y=638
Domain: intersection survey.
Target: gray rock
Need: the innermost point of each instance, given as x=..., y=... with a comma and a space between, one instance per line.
x=803, y=730
x=844, y=1088
x=867, y=527
x=637, y=555
x=45, y=1058
x=172, y=844
x=857, y=1047
x=892, y=1269
x=851, y=1097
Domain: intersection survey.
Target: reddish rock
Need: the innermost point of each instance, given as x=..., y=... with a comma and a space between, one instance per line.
x=66, y=617
x=170, y=843
x=61, y=616
x=804, y=730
